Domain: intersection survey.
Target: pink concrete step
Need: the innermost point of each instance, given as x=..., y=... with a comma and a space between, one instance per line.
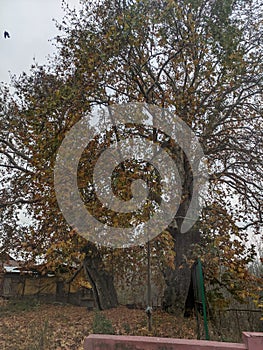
x=252, y=341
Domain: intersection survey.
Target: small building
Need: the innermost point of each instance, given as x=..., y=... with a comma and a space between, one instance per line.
x=16, y=282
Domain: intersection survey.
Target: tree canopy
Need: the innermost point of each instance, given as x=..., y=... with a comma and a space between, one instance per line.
x=201, y=60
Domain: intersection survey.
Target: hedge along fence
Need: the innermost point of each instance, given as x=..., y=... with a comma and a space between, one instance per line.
x=227, y=325
x=251, y=341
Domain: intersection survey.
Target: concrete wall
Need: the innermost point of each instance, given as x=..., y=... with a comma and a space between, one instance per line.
x=252, y=341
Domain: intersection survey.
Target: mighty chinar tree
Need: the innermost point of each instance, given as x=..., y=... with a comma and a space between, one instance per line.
x=201, y=59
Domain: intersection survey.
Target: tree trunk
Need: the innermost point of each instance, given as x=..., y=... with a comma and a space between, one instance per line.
x=178, y=280
x=100, y=279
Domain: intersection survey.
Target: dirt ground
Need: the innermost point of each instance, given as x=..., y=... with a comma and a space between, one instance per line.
x=52, y=326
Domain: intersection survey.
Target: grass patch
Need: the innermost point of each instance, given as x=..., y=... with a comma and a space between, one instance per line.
x=16, y=306
x=102, y=325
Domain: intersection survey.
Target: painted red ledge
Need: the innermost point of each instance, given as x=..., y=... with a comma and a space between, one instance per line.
x=252, y=341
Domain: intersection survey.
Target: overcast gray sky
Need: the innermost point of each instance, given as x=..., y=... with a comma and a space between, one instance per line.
x=30, y=25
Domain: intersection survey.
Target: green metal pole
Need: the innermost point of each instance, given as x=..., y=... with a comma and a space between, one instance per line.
x=149, y=288
x=203, y=298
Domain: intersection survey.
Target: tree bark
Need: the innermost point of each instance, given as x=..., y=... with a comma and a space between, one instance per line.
x=178, y=280
x=100, y=279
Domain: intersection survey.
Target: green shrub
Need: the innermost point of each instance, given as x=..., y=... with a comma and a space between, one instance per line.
x=102, y=325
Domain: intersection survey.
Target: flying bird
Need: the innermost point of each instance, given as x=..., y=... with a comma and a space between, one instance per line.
x=6, y=35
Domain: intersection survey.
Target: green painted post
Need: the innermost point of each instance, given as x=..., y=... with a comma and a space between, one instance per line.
x=149, y=288
x=203, y=298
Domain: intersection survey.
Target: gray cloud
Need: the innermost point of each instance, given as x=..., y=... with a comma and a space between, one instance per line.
x=30, y=25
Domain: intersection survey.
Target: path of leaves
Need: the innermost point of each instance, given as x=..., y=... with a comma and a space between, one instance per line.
x=48, y=327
